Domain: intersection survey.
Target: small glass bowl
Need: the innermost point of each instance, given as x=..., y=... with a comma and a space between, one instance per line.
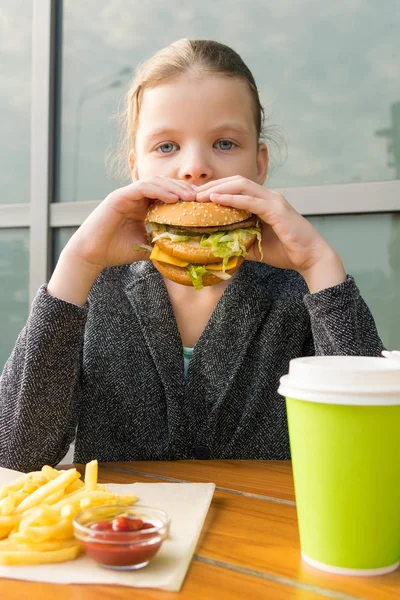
x=121, y=550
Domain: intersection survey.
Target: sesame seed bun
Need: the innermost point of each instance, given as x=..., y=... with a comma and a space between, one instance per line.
x=190, y=214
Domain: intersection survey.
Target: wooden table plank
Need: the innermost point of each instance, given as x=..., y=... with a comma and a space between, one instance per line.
x=203, y=582
x=268, y=478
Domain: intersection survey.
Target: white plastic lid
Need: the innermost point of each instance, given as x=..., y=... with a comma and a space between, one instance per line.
x=362, y=380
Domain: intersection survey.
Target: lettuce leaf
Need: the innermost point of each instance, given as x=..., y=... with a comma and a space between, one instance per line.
x=196, y=273
x=155, y=226
x=230, y=243
x=141, y=248
x=170, y=236
x=220, y=274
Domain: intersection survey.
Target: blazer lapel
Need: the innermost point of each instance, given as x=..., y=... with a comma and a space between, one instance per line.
x=149, y=298
x=223, y=345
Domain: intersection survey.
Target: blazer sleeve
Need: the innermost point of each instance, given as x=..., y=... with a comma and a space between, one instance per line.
x=39, y=387
x=341, y=322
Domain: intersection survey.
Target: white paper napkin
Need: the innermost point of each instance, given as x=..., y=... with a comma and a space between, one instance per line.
x=186, y=503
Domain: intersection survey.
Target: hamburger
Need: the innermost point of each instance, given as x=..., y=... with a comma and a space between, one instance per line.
x=199, y=243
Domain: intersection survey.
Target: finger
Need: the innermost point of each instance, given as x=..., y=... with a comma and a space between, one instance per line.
x=157, y=188
x=237, y=185
x=185, y=185
x=150, y=191
x=245, y=187
x=182, y=189
x=181, y=182
x=214, y=182
x=250, y=203
x=185, y=189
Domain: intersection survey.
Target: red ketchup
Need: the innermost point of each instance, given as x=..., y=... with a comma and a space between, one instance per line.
x=133, y=544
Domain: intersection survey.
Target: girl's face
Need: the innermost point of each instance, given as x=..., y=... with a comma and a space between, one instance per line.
x=198, y=127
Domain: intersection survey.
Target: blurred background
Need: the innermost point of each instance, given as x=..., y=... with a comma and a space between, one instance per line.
x=329, y=79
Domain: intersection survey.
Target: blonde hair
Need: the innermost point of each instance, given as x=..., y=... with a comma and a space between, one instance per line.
x=169, y=62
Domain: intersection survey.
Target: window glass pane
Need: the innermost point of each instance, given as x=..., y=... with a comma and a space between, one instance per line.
x=328, y=75
x=15, y=99
x=14, y=287
x=369, y=246
x=60, y=239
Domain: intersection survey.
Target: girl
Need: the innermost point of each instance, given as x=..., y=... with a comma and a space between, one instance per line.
x=101, y=355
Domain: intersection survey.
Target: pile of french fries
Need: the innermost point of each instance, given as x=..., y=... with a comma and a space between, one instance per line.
x=37, y=510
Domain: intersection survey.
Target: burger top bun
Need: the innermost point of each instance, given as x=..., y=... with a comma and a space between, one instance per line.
x=190, y=214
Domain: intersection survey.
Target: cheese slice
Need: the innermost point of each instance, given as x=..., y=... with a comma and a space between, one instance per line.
x=231, y=264
x=158, y=254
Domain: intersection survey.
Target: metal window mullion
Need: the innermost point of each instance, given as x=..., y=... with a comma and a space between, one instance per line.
x=346, y=198
x=42, y=111
x=14, y=215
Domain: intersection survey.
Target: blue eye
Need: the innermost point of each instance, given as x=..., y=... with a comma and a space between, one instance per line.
x=225, y=145
x=167, y=148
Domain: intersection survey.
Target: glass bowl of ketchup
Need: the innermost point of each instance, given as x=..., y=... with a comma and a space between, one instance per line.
x=121, y=537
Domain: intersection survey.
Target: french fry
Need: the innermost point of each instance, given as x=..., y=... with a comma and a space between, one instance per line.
x=42, y=533
x=54, y=497
x=67, y=511
x=75, y=485
x=50, y=473
x=4, y=533
x=85, y=503
x=75, y=498
x=64, y=530
x=14, y=556
x=39, y=495
x=17, y=537
x=31, y=485
x=39, y=515
x=19, y=496
x=125, y=498
x=7, y=524
x=9, y=521
x=7, y=504
x=45, y=546
x=91, y=474
x=17, y=484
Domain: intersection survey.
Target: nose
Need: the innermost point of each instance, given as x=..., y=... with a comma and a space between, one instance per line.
x=196, y=168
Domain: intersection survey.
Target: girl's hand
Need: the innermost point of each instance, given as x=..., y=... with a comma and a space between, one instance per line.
x=289, y=241
x=109, y=235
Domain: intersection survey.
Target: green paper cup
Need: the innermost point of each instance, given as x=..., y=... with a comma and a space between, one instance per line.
x=344, y=428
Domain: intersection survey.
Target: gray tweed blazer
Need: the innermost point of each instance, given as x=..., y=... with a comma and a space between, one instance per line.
x=111, y=372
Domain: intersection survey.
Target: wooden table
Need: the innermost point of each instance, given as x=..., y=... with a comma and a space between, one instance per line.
x=249, y=547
